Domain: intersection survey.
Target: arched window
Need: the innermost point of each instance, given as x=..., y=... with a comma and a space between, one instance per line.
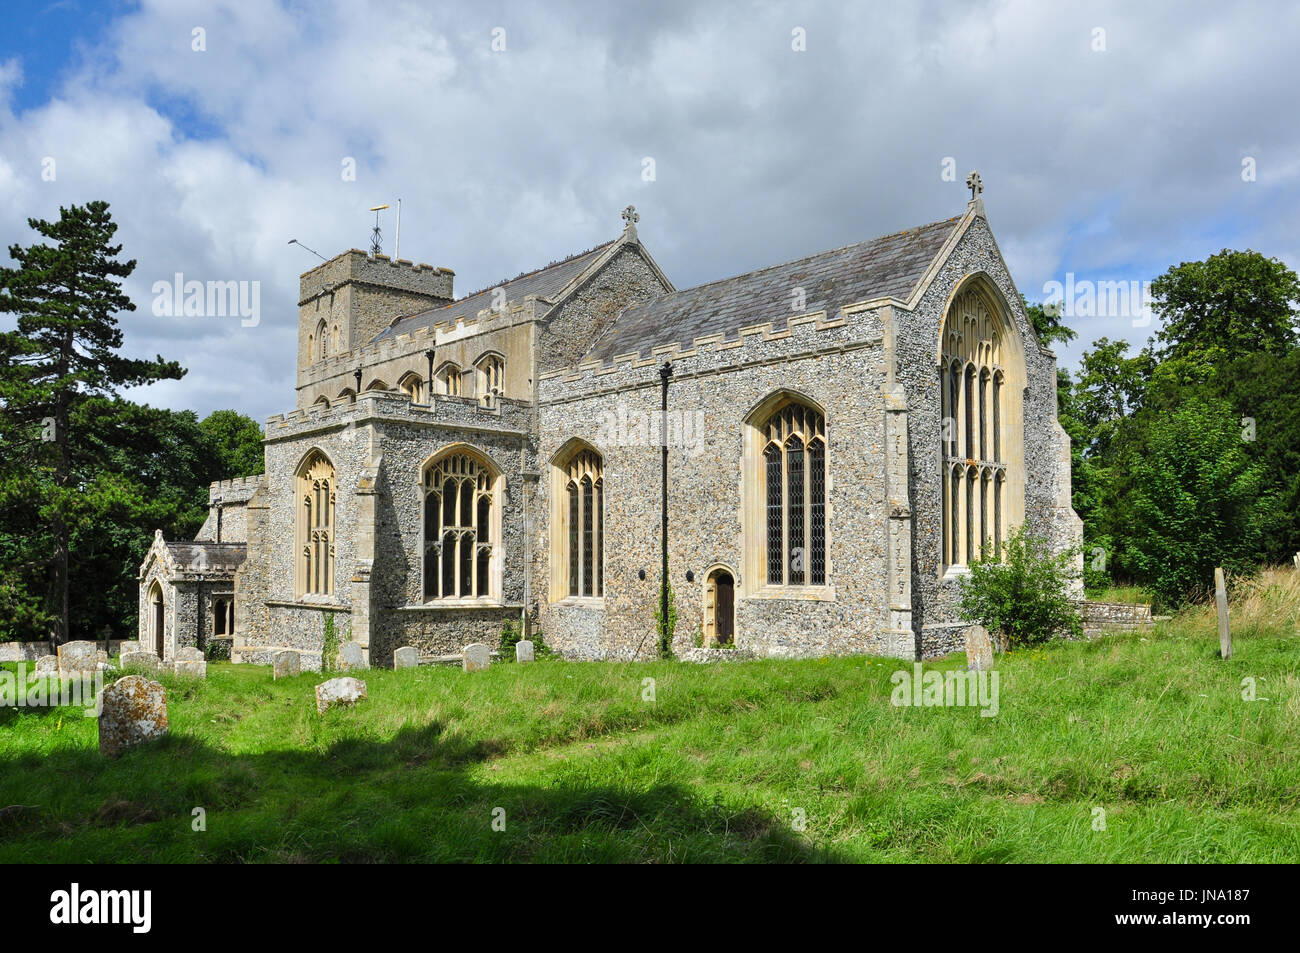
x=447, y=380
x=335, y=347
x=793, y=448
x=460, y=528
x=315, y=526
x=378, y=384
x=981, y=452
x=348, y=394
x=321, y=342
x=491, y=379
x=412, y=386
x=580, y=523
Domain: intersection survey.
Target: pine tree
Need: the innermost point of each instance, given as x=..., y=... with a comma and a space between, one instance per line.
x=64, y=353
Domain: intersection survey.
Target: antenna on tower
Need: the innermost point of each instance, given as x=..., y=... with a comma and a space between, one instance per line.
x=294, y=241
x=376, y=237
x=397, y=250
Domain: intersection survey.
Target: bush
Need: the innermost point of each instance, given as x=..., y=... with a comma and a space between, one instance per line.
x=1023, y=598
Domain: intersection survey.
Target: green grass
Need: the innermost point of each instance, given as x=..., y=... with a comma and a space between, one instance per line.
x=1151, y=727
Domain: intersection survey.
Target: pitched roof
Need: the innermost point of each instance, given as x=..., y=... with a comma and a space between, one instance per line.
x=213, y=559
x=888, y=266
x=543, y=282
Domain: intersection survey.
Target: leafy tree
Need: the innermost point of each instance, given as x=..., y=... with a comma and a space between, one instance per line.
x=1233, y=303
x=236, y=442
x=1046, y=320
x=61, y=357
x=1197, y=500
x=1024, y=596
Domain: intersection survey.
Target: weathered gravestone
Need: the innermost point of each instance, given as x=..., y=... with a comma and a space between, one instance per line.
x=406, y=657
x=132, y=646
x=285, y=665
x=139, y=660
x=979, y=649
x=350, y=657
x=477, y=657
x=1221, y=604
x=339, y=691
x=47, y=663
x=133, y=711
x=77, y=657
x=523, y=651
x=190, y=661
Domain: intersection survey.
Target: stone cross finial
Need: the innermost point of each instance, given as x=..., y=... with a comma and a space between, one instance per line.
x=975, y=184
x=630, y=217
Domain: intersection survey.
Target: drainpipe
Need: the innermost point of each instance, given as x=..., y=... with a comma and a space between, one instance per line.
x=357, y=375
x=665, y=372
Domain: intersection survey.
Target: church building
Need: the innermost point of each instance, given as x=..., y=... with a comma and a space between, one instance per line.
x=843, y=434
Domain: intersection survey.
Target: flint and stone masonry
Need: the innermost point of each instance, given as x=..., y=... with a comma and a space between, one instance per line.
x=455, y=465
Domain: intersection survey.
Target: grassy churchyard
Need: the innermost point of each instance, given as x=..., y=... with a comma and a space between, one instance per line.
x=1135, y=747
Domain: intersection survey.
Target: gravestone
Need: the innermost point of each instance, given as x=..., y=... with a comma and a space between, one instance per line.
x=523, y=651
x=47, y=663
x=979, y=649
x=133, y=710
x=139, y=660
x=406, y=657
x=339, y=691
x=77, y=657
x=477, y=657
x=351, y=657
x=285, y=665
x=188, y=653
x=1221, y=604
x=191, y=667
x=135, y=646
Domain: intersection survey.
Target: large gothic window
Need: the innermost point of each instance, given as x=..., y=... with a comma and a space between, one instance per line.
x=460, y=517
x=794, y=496
x=315, y=494
x=980, y=454
x=583, y=522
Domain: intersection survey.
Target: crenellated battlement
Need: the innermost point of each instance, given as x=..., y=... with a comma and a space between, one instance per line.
x=755, y=343
x=238, y=490
x=355, y=265
x=504, y=413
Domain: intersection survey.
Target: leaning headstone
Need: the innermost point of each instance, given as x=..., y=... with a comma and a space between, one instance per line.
x=477, y=657
x=139, y=660
x=979, y=649
x=523, y=651
x=350, y=657
x=76, y=657
x=1221, y=602
x=285, y=665
x=406, y=657
x=339, y=691
x=47, y=663
x=133, y=711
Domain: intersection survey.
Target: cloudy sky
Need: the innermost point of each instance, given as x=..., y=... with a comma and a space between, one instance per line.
x=1113, y=139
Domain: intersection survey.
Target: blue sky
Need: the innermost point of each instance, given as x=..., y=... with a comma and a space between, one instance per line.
x=1107, y=155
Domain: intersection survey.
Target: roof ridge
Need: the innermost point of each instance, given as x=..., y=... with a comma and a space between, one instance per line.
x=529, y=274
x=817, y=254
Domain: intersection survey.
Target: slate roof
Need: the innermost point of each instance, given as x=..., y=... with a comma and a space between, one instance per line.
x=543, y=282
x=888, y=266
x=213, y=559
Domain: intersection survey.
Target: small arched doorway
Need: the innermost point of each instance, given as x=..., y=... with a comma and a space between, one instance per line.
x=719, y=607
x=157, y=618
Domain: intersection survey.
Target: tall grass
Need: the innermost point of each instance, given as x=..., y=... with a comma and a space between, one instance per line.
x=747, y=761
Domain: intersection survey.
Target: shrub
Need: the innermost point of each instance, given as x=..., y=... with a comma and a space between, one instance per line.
x=329, y=650
x=511, y=635
x=1023, y=598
